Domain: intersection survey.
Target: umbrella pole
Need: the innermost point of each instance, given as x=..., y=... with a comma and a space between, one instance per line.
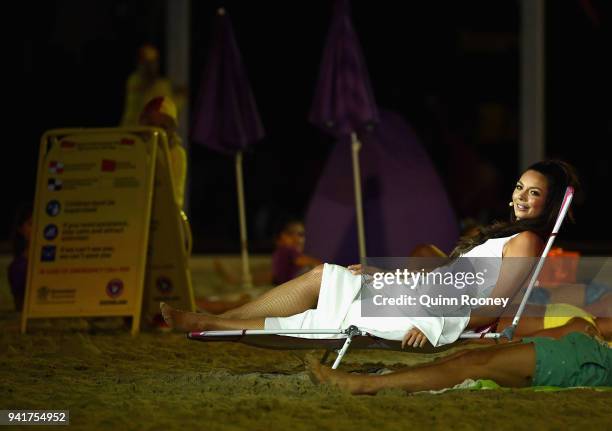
x=356, y=147
x=246, y=273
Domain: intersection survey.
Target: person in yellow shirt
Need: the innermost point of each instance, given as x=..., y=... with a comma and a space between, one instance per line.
x=144, y=84
x=161, y=112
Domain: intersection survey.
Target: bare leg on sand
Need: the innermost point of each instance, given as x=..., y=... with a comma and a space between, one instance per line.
x=510, y=365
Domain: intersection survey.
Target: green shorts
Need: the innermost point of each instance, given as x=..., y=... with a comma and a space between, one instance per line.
x=574, y=360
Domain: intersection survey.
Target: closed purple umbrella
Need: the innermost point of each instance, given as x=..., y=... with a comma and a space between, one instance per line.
x=344, y=104
x=226, y=118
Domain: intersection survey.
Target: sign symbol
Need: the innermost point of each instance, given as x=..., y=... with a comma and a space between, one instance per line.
x=51, y=231
x=56, y=167
x=164, y=284
x=54, y=184
x=114, y=288
x=48, y=253
x=53, y=208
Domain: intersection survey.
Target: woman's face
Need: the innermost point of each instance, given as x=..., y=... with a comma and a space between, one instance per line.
x=529, y=195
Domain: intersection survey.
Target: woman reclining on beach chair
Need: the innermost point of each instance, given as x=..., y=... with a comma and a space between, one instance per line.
x=334, y=290
x=569, y=356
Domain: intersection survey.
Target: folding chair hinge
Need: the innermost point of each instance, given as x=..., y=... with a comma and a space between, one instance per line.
x=352, y=331
x=508, y=332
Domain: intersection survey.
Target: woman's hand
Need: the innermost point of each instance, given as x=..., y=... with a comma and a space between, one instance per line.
x=414, y=338
x=356, y=269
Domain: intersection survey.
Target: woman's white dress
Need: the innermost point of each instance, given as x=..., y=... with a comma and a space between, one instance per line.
x=339, y=305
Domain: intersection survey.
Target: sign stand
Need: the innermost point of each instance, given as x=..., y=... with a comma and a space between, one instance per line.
x=103, y=198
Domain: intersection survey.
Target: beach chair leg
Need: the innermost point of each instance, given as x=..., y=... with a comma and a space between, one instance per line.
x=325, y=356
x=351, y=332
x=342, y=352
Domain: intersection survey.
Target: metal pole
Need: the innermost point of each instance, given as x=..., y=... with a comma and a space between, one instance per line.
x=178, y=17
x=234, y=332
x=356, y=147
x=532, y=117
x=246, y=273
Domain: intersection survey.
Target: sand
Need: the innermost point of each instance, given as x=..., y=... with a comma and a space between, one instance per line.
x=108, y=379
x=162, y=381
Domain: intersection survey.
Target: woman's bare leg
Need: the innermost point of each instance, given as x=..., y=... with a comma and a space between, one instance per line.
x=292, y=297
x=509, y=365
x=186, y=321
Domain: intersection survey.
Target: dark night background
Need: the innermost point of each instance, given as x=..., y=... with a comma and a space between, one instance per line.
x=450, y=68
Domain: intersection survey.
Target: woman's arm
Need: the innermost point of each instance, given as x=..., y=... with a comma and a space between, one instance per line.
x=525, y=244
x=520, y=256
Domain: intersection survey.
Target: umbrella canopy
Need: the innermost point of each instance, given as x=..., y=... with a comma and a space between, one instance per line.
x=343, y=101
x=403, y=196
x=226, y=117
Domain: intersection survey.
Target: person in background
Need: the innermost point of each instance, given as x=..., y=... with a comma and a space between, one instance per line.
x=288, y=258
x=18, y=268
x=144, y=84
x=161, y=112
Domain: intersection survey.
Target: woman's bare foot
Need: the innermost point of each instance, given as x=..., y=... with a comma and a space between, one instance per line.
x=183, y=320
x=320, y=374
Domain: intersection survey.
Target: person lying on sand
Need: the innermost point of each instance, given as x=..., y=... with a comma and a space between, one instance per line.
x=578, y=358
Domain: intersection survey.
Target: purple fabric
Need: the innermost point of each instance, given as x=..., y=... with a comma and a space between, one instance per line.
x=283, y=264
x=343, y=101
x=404, y=200
x=17, y=276
x=226, y=117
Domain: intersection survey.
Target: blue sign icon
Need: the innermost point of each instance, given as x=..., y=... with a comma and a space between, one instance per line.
x=51, y=231
x=164, y=284
x=48, y=253
x=114, y=288
x=53, y=208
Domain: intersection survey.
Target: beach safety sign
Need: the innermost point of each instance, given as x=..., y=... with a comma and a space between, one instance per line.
x=105, y=222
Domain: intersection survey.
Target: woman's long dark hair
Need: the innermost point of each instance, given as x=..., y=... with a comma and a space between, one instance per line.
x=559, y=175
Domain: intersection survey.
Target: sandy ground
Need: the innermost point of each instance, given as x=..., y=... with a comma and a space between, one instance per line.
x=162, y=381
